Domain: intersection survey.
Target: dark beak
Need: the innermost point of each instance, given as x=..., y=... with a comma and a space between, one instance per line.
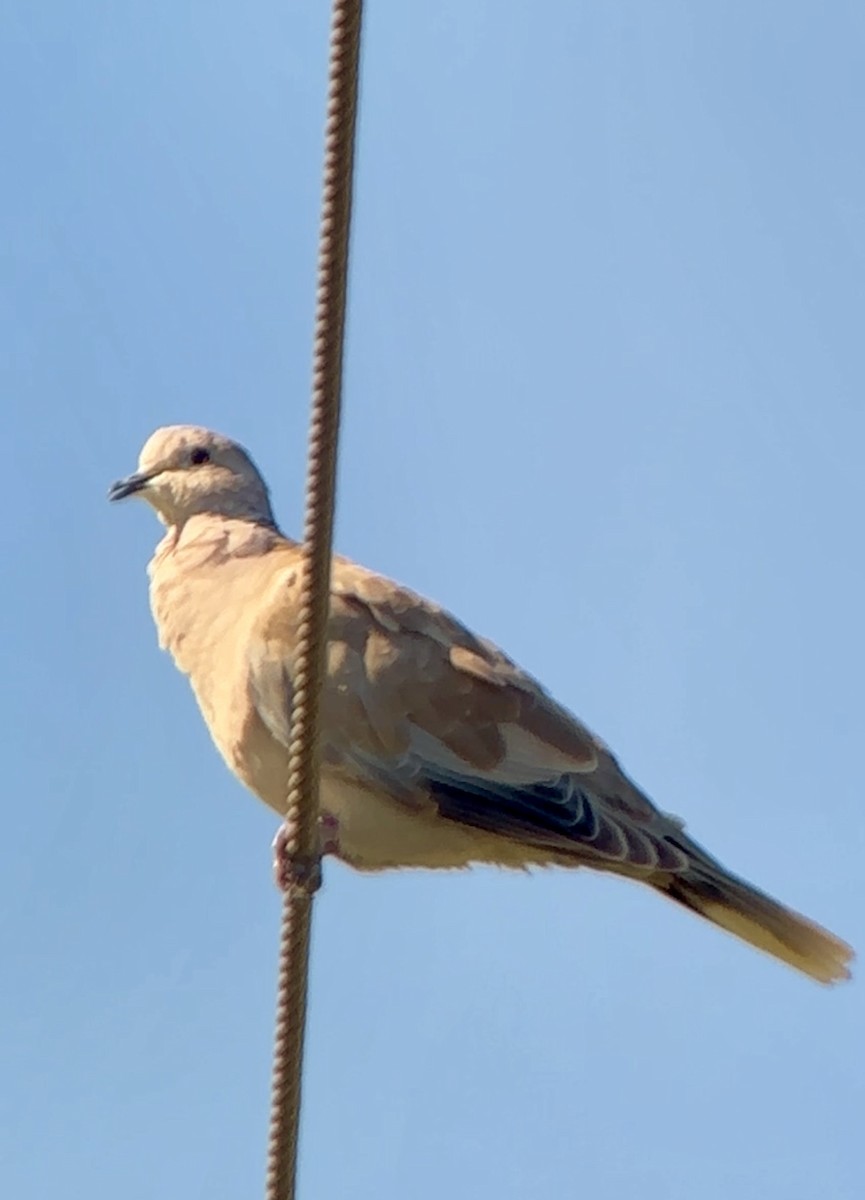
x=128, y=486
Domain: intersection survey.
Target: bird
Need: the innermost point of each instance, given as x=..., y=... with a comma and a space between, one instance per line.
x=438, y=751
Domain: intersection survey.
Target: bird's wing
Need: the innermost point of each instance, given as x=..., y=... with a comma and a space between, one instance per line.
x=419, y=706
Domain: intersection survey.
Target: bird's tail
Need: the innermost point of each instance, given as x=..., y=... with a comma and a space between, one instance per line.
x=750, y=914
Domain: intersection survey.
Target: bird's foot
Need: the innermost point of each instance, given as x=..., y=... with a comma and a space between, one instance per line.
x=291, y=870
x=328, y=832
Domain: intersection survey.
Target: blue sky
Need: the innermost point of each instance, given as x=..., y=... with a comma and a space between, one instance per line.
x=604, y=400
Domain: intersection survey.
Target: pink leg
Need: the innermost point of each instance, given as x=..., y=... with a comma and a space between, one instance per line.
x=328, y=828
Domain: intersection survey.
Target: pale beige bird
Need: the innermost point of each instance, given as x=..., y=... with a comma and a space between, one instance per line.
x=438, y=750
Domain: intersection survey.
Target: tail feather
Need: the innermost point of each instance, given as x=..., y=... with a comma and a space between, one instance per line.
x=750, y=914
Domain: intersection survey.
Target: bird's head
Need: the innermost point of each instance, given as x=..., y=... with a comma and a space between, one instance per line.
x=184, y=470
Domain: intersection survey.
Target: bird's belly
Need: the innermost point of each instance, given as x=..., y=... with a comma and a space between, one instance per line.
x=376, y=832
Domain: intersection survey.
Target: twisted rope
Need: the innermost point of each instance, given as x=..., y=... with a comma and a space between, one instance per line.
x=299, y=839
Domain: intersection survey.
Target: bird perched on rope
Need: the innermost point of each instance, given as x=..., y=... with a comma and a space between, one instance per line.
x=438, y=751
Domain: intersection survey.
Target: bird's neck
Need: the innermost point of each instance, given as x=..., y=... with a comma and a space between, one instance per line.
x=207, y=536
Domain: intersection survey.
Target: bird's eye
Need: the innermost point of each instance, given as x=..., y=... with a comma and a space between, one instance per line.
x=199, y=456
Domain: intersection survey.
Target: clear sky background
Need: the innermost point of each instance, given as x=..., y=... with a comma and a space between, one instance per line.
x=604, y=399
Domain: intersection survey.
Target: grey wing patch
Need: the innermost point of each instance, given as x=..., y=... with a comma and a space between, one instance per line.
x=561, y=813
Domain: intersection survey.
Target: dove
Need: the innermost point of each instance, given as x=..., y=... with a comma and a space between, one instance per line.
x=438, y=751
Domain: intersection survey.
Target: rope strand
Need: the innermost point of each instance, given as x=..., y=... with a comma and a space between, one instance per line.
x=299, y=839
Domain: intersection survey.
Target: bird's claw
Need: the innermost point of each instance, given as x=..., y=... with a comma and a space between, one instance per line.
x=295, y=872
